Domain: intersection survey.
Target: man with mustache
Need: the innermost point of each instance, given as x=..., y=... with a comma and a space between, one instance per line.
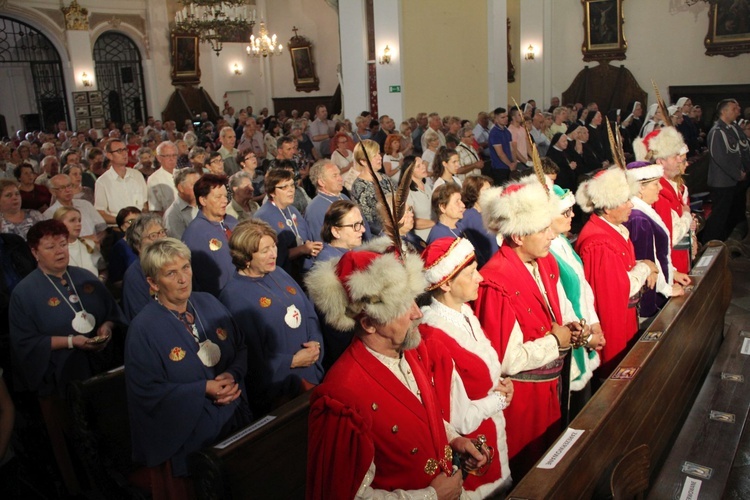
x=376, y=424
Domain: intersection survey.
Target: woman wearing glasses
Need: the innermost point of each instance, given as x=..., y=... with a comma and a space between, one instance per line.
x=343, y=227
x=145, y=230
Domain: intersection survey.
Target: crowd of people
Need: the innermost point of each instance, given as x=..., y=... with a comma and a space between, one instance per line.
x=235, y=265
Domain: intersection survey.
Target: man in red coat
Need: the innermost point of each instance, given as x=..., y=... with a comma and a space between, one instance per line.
x=520, y=312
x=375, y=422
x=667, y=148
x=609, y=261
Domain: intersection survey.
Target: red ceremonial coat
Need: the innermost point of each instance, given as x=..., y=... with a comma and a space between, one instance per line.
x=607, y=257
x=362, y=413
x=445, y=354
x=509, y=294
x=671, y=201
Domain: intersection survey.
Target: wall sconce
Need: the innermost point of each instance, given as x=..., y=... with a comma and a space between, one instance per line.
x=386, y=57
x=85, y=80
x=530, y=53
x=237, y=70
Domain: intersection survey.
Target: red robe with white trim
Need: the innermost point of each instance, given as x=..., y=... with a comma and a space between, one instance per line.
x=607, y=257
x=362, y=413
x=671, y=201
x=509, y=294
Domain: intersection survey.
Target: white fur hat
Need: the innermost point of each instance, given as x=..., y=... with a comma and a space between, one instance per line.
x=645, y=171
x=520, y=208
x=376, y=284
x=661, y=143
x=608, y=188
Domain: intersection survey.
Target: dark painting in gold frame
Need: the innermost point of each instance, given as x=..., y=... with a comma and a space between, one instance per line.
x=603, y=36
x=728, y=28
x=185, y=59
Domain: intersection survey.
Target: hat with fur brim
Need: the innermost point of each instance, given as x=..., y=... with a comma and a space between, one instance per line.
x=644, y=171
x=444, y=258
x=660, y=143
x=378, y=285
x=520, y=208
x=606, y=189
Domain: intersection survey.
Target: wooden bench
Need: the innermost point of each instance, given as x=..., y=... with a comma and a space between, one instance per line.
x=102, y=435
x=702, y=456
x=662, y=375
x=267, y=459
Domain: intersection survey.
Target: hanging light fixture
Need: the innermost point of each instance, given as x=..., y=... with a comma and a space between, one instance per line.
x=215, y=21
x=263, y=45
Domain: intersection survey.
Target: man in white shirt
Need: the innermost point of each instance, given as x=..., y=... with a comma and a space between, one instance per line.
x=161, y=188
x=482, y=132
x=434, y=124
x=228, y=152
x=119, y=186
x=252, y=138
x=184, y=208
x=92, y=223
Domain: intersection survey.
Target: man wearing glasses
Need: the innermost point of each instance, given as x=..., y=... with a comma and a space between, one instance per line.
x=119, y=186
x=161, y=189
x=92, y=223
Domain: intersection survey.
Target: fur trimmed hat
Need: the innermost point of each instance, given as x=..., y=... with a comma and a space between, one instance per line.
x=361, y=281
x=444, y=258
x=565, y=198
x=520, y=208
x=644, y=171
x=661, y=143
x=608, y=188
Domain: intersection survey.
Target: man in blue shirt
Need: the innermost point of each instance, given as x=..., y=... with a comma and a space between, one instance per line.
x=500, y=152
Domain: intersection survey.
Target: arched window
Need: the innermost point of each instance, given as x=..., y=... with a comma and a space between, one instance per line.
x=119, y=76
x=26, y=54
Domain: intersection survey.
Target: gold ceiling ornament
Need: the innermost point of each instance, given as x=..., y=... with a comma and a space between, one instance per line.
x=76, y=17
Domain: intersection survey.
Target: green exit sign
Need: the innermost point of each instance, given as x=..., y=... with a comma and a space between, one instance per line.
x=394, y=89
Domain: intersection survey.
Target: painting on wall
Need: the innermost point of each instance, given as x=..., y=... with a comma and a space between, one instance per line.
x=303, y=64
x=185, y=56
x=728, y=28
x=603, y=37
x=80, y=97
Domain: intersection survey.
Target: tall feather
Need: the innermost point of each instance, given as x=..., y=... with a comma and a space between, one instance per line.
x=536, y=160
x=402, y=193
x=620, y=150
x=662, y=105
x=615, y=147
x=390, y=223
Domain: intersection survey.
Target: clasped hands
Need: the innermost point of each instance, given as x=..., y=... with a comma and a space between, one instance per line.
x=223, y=389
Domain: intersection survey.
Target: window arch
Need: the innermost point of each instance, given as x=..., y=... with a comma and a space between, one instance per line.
x=119, y=76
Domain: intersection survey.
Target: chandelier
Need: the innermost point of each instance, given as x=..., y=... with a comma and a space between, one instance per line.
x=263, y=45
x=216, y=21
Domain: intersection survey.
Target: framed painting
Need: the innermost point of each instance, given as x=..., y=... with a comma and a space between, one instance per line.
x=80, y=97
x=603, y=36
x=728, y=28
x=82, y=111
x=83, y=124
x=96, y=110
x=97, y=123
x=303, y=64
x=95, y=97
x=185, y=56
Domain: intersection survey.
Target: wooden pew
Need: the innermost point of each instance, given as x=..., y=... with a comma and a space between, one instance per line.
x=712, y=431
x=649, y=408
x=267, y=459
x=102, y=431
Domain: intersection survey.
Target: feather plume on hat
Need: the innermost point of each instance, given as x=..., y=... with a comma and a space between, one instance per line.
x=520, y=209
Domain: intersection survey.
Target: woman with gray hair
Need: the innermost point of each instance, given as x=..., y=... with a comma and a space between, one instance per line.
x=147, y=229
x=242, y=206
x=185, y=385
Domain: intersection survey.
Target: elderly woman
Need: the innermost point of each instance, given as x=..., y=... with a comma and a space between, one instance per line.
x=296, y=248
x=449, y=210
x=242, y=206
x=185, y=366
x=471, y=389
x=207, y=236
x=276, y=317
x=60, y=316
x=13, y=218
x=471, y=225
x=214, y=164
x=33, y=196
x=343, y=227
x=148, y=228
x=584, y=359
x=393, y=158
x=81, y=192
x=445, y=168
x=248, y=163
x=558, y=153
x=84, y=252
x=363, y=189
x=652, y=240
x=197, y=157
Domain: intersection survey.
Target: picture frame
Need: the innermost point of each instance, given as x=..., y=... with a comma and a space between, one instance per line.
x=83, y=124
x=80, y=97
x=603, y=35
x=98, y=122
x=81, y=111
x=96, y=110
x=185, y=59
x=728, y=30
x=303, y=64
x=95, y=97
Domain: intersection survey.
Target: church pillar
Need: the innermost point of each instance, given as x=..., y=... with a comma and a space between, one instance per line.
x=157, y=69
x=387, y=14
x=497, y=63
x=353, y=36
x=535, y=32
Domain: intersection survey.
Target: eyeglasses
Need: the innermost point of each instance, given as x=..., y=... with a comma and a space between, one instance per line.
x=156, y=234
x=286, y=186
x=167, y=156
x=118, y=150
x=357, y=226
x=63, y=188
x=568, y=213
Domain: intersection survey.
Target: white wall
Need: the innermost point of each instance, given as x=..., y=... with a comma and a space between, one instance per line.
x=353, y=46
x=677, y=59
x=387, y=14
